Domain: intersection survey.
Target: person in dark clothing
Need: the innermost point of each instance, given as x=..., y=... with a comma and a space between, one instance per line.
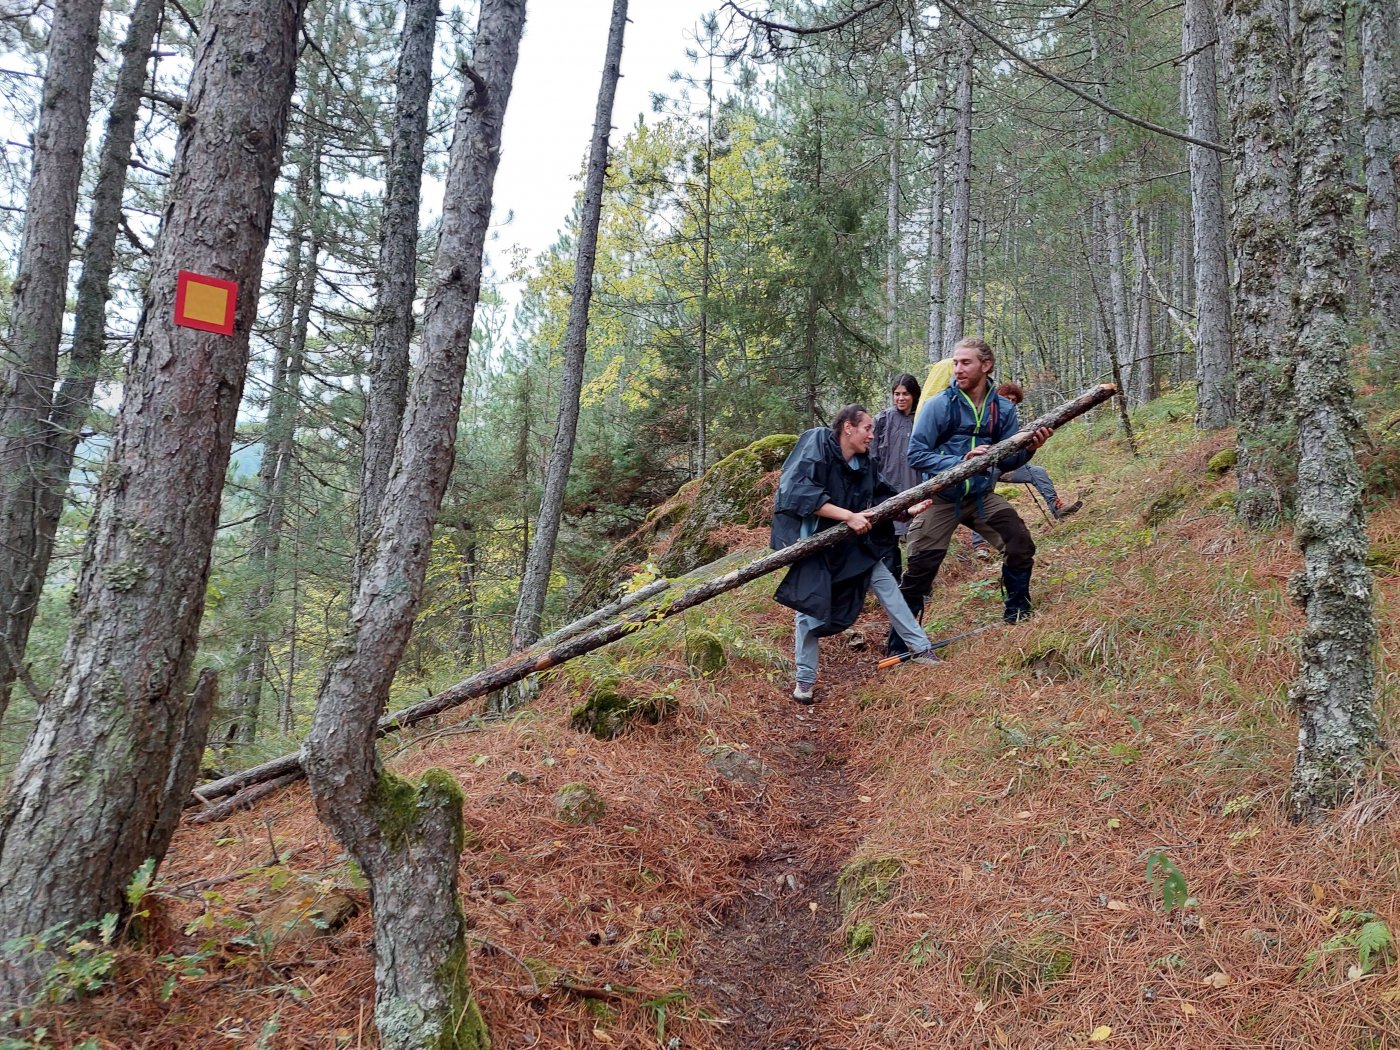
x=1030, y=474
x=890, y=450
x=828, y=479
x=958, y=424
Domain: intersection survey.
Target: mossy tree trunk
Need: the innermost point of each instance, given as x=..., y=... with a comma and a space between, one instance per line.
x=1335, y=686
x=115, y=749
x=1258, y=92
x=407, y=839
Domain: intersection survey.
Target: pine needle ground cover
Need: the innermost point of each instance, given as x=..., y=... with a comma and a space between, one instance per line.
x=1070, y=833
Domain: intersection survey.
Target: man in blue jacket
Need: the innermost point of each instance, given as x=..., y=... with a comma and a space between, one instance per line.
x=955, y=424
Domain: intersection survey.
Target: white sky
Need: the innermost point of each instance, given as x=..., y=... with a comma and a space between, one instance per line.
x=550, y=115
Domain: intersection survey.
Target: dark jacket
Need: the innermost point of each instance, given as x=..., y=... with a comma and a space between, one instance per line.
x=948, y=427
x=890, y=453
x=830, y=585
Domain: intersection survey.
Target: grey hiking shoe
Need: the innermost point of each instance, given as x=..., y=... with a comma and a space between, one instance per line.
x=1063, y=511
x=928, y=658
x=802, y=693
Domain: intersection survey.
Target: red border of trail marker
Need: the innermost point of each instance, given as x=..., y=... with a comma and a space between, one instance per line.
x=183, y=280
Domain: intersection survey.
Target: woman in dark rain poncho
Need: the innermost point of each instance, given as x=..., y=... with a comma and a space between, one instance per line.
x=828, y=480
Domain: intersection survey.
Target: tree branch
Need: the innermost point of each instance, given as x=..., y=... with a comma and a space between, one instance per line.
x=1040, y=70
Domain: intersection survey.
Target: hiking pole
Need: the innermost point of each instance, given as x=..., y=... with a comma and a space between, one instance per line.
x=1030, y=490
x=890, y=661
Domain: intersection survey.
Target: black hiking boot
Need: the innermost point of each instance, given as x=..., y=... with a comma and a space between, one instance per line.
x=1017, y=584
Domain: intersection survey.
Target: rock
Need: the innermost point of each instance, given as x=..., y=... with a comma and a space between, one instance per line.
x=303, y=916
x=1012, y=966
x=869, y=880
x=1222, y=463
x=608, y=713
x=579, y=804
x=733, y=764
x=732, y=492
x=704, y=652
x=735, y=491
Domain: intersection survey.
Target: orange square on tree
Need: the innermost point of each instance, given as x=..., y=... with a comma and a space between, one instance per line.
x=205, y=303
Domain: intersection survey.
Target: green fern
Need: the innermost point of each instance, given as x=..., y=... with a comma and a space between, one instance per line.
x=1373, y=939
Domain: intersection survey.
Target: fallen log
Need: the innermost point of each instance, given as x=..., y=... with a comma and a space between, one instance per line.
x=597, y=616
x=522, y=665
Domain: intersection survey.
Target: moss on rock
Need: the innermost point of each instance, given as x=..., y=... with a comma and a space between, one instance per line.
x=730, y=493
x=607, y=712
x=579, y=804
x=867, y=880
x=1222, y=462
x=1013, y=966
x=704, y=652
x=1224, y=500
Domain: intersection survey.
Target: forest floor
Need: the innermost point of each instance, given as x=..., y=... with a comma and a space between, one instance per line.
x=981, y=854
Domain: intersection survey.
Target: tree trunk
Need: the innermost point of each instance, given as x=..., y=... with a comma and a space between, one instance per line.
x=88, y=798
x=398, y=264
x=1214, y=356
x=407, y=838
x=1112, y=233
x=1380, y=100
x=1142, y=332
x=894, y=119
x=1335, y=687
x=278, y=455
x=534, y=584
x=522, y=665
x=937, y=267
x=955, y=302
x=1261, y=58
x=29, y=363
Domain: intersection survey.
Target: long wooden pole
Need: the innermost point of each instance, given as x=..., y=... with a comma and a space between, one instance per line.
x=523, y=665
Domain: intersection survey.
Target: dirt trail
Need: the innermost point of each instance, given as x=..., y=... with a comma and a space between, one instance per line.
x=756, y=966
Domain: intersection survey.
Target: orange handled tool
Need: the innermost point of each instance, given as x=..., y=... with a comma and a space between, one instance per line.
x=890, y=661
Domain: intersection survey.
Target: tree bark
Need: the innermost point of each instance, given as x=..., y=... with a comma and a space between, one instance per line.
x=89, y=798
x=534, y=584
x=1142, y=331
x=398, y=264
x=937, y=267
x=29, y=362
x=1261, y=57
x=955, y=302
x=1112, y=232
x=1335, y=688
x=1380, y=101
x=522, y=665
x=407, y=838
x=894, y=119
x=1215, y=406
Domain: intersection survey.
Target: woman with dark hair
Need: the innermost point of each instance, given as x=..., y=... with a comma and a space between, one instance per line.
x=827, y=480
x=890, y=447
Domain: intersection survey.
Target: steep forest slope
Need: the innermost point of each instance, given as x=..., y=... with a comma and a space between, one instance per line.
x=977, y=855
